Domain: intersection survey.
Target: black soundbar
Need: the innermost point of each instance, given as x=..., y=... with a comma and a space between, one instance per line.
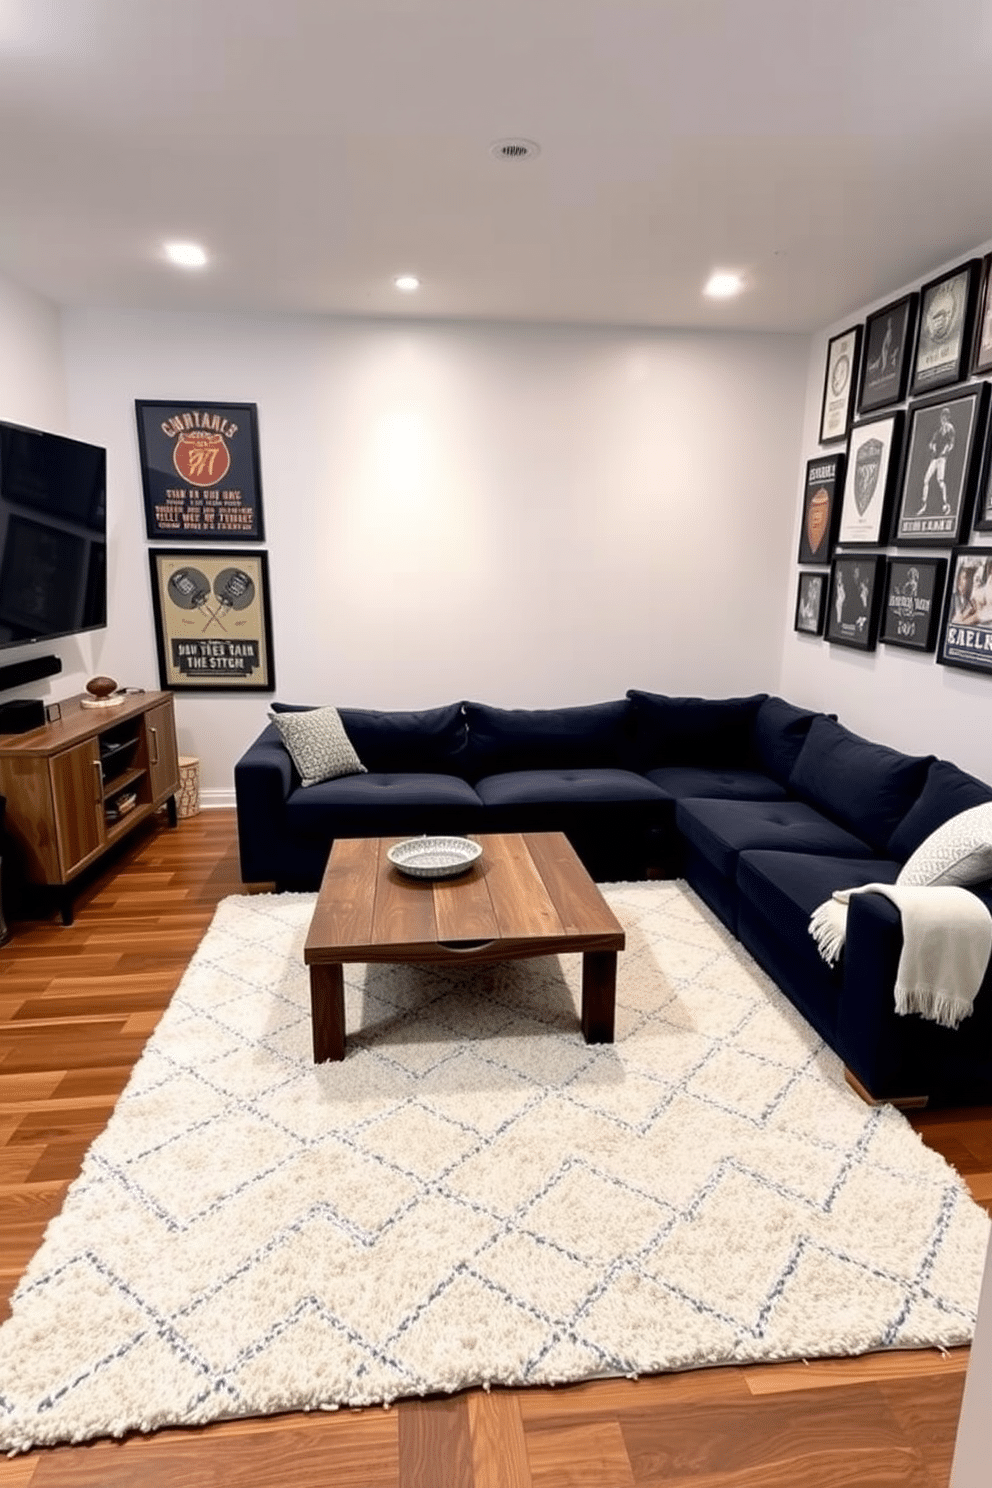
x=19, y=672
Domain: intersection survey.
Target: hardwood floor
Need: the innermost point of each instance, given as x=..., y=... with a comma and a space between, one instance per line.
x=77, y=1004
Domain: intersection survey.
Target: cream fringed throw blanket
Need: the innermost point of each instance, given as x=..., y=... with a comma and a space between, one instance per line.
x=946, y=944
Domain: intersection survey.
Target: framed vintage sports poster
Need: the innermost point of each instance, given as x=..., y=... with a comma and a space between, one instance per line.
x=855, y=600
x=887, y=353
x=811, y=603
x=943, y=341
x=821, y=508
x=965, y=638
x=914, y=588
x=872, y=467
x=212, y=620
x=982, y=359
x=839, y=383
x=943, y=437
x=200, y=471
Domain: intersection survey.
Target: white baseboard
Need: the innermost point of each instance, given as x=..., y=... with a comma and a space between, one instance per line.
x=210, y=800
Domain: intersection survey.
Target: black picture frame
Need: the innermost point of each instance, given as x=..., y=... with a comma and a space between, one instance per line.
x=965, y=636
x=981, y=360
x=914, y=590
x=811, y=601
x=982, y=507
x=940, y=466
x=213, y=619
x=874, y=451
x=944, y=332
x=888, y=348
x=840, y=381
x=821, y=507
x=855, y=600
x=200, y=471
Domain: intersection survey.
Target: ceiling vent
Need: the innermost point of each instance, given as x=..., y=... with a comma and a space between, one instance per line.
x=514, y=149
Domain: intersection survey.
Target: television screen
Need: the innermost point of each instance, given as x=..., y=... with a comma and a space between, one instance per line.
x=53, y=534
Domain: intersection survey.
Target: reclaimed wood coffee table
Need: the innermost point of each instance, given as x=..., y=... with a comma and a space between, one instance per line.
x=528, y=895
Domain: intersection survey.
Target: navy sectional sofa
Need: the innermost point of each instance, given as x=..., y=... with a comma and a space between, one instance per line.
x=764, y=808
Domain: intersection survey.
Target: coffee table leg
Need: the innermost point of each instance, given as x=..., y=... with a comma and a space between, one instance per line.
x=599, y=996
x=327, y=1011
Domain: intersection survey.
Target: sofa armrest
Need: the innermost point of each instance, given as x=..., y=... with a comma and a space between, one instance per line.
x=893, y=1055
x=263, y=779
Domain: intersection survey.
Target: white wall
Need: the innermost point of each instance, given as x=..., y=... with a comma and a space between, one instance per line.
x=33, y=392
x=897, y=697
x=523, y=515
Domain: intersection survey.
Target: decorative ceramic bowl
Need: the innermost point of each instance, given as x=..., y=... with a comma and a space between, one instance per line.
x=434, y=857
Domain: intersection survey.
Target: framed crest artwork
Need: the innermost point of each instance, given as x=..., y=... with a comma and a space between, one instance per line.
x=982, y=359
x=855, y=600
x=887, y=354
x=811, y=603
x=914, y=588
x=821, y=508
x=869, y=483
x=943, y=341
x=965, y=638
x=839, y=384
x=200, y=471
x=943, y=441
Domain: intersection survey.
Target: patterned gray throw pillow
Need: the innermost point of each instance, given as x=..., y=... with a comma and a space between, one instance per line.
x=957, y=854
x=318, y=744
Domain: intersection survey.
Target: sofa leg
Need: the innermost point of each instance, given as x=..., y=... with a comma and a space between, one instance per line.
x=902, y=1102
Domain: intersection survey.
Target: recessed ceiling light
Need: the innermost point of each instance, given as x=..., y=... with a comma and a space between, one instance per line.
x=514, y=149
x=407, y=282
x=187, y=255
x=722, y=284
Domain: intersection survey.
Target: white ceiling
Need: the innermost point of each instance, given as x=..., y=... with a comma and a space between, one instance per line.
x=831, y=150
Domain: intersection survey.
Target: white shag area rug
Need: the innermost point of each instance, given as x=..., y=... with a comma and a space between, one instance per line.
x=474, y=1195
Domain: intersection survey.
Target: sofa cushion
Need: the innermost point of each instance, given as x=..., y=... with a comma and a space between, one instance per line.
x=866, y=787
x=539, y=787
x=720, y=830
x=780, y=731
x=680, y=781
x=710, y=732
x=381, y=804
x=947, y=792
x=318, y=745
x=424, y=739
x=957, y=854
x=588, y=736
x=786, y=887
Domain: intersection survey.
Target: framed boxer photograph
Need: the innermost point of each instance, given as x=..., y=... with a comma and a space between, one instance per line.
x=914, y=588
x=965, y=638
x=855, y=599
x=839, y=384
x=811, y=603
x=944, y=441
x=887, y=354
x=821, y=508
x=872, y=470
x=943, y=341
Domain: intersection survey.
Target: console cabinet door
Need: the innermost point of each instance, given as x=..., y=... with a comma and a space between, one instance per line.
x=163, y=751
x=77, y=795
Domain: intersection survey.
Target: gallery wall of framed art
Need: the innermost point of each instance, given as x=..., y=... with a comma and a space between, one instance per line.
x=906, y=463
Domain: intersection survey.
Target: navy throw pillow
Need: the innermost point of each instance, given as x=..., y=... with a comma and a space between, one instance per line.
x=708, y=732
x=586, y=737
x=868, y=788
x=780, y=731
x=948, y=792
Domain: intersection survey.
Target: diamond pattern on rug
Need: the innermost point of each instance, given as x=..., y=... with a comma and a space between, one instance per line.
x=474, y=1195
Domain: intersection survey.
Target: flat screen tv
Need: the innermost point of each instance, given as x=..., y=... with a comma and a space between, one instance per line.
x=53, y=536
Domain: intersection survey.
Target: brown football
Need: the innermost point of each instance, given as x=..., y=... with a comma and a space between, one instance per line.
x=101, y=687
